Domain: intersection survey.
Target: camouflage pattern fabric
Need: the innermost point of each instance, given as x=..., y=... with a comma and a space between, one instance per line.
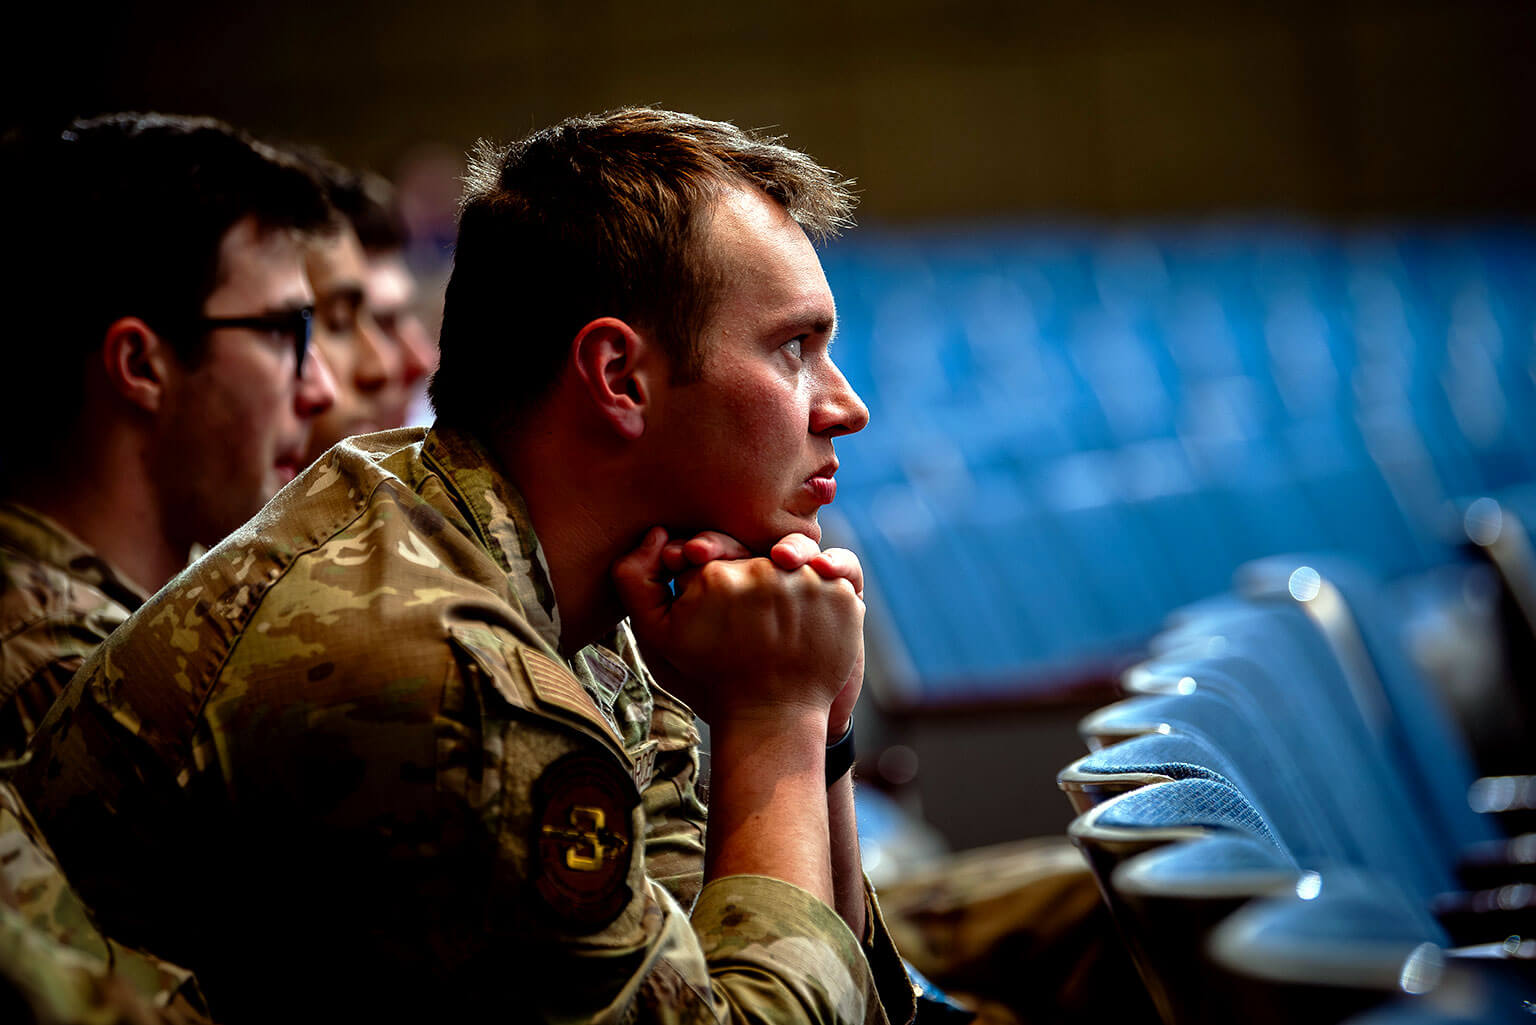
x=46, y=983
x=342, y=757
x=54, y=960
x=58, y=600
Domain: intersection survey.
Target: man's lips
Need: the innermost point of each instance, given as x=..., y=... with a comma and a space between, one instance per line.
x=822, y=485
x=288, y=466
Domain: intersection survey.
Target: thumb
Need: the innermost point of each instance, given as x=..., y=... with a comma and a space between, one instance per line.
x=641, y=582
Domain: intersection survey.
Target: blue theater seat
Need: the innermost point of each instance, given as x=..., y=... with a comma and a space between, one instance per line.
x=1185, y=815
x=1336, y=945
x=1413, y=726
x=1133, y=763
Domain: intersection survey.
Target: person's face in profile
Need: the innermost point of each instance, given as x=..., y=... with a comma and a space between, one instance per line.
x=236, y=426
x=391, y=291
x=751, y=438
x=369, y=371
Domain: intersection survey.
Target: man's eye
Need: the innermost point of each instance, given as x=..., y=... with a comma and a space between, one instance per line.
x=793, y=347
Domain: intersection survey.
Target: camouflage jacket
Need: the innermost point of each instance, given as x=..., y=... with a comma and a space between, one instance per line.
x=52, y=958
x=341, y=756
x=58, y=600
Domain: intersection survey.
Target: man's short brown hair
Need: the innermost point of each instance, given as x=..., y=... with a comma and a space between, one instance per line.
x=599, y=216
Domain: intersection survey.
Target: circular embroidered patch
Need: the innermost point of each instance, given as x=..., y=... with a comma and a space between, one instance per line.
x=582, y=839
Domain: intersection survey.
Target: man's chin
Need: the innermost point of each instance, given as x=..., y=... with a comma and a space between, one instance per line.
x=810, y=526
x=760, y=537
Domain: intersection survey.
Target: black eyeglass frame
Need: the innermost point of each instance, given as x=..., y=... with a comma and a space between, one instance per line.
x=297, y=324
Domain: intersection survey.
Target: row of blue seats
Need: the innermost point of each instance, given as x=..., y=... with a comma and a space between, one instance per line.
x=1280, y=747
x=1077, y=429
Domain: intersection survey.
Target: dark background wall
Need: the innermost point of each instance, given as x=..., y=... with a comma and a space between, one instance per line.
x=1107, y=108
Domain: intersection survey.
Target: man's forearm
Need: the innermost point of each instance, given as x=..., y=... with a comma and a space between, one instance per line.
x=847, y=864
x=768, y=807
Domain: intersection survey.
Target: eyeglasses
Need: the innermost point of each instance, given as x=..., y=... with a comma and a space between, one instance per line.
x=294, y=324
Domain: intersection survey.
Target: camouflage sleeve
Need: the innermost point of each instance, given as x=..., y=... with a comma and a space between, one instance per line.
x=47, y=982
x=675, y=818
x=70, y=965
x=38, y=659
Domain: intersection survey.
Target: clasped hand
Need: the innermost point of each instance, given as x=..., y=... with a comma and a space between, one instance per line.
x=748, y=637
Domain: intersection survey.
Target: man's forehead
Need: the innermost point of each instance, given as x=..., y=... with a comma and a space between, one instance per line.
x=262, y=261
x=741, y=211
x=335, y=262
x=765, y=258
x=390, y=283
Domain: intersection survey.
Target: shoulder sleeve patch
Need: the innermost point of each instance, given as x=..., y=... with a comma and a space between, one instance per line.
x=556, y=685
x=486, y=653
x=583, y=835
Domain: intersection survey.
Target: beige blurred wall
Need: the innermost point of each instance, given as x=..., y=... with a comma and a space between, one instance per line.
x=939, y=109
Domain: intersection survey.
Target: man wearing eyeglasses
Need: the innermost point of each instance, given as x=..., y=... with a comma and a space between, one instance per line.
x=159, y=304
x=166, y=315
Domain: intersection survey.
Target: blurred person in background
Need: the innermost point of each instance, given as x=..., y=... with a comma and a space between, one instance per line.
x=156, y=268
x=380, y=364
x=368, y=201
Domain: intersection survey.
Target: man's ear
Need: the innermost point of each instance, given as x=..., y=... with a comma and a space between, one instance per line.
x=616, y=366
x=138, y=362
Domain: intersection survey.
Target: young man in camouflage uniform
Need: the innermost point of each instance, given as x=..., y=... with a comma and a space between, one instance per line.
x=392, y=745
x=165, y=304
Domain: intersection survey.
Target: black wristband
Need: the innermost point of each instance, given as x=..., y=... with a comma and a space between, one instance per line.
x=840, y=756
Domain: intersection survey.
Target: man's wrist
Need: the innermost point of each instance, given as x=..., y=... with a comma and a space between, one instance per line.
x=835, y=730
x=840, y=755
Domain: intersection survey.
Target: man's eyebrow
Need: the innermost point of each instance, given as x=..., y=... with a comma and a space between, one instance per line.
x=816, y=323
x=347, y=292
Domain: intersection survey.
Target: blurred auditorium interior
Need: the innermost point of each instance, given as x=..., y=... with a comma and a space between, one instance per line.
x=1142, y=295
x=1137, y=296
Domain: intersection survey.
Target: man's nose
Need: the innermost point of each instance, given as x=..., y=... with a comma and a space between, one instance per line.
x=840, y=411
x=377, y=361
x=418, y=353
x=317, y=386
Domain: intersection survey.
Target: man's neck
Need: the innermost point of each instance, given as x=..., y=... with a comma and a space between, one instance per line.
x=580, y=551
x=571, y=505
x=110, y=505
